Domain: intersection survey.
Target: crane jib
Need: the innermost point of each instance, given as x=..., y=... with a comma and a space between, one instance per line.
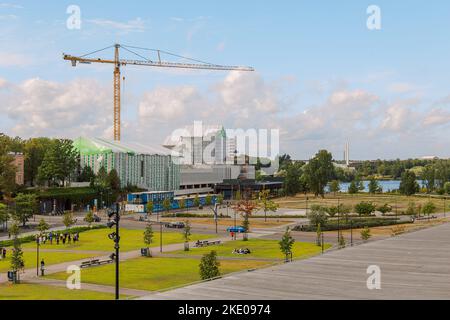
x=201, y=65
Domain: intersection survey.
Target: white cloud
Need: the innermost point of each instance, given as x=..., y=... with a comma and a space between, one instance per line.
x=10, y=5
x=375, y=127
x=14, y=60
x=135, y=25
x=39, y=107
x=402, y=87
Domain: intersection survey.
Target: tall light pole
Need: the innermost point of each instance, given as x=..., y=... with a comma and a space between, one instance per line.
x=37, y=254
x=115, y=236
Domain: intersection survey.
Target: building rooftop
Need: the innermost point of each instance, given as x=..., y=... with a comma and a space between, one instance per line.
x=92, y=146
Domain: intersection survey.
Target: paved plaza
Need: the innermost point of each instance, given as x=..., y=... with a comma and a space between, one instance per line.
x=413, y=266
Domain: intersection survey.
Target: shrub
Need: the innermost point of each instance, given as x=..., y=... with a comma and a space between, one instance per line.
x=384, y=208
x=365, y=208
x=209, y=266
x=355, y=223
x=365, y=234
x=318, y=215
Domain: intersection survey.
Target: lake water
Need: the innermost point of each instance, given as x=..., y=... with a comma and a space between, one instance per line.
x=387, y=185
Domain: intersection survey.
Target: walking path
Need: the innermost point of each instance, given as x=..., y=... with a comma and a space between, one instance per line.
x=91, y=287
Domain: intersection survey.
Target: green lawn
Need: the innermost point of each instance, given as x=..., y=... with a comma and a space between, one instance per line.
x=41, y=292
x=49, y=258
x=97, y=240
x=259, y=248
x=156, y=273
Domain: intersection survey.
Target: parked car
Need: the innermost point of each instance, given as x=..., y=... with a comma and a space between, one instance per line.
x=236, y=230
x=175, y=225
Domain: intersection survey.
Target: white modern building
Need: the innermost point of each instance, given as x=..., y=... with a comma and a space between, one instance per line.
x=202, y=145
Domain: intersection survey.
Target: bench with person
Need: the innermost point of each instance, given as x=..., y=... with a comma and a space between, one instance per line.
x=242, y=251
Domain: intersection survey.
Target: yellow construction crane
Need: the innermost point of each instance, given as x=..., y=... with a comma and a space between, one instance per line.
x=118, y=62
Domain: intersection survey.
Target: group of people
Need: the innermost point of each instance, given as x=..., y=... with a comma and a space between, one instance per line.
x=59, y=238
x=242, y=251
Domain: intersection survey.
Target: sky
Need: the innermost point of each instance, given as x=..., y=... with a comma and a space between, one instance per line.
x=323, y=78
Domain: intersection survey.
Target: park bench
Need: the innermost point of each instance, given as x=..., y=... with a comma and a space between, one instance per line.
x=96, y=262
x=425, y=218
x=201, y=244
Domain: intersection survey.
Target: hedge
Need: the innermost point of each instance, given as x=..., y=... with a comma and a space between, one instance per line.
x=356, y=224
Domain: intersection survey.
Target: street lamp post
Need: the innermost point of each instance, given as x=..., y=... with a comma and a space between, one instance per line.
x=116, y=238
x=37, y=255
x=445, y=209
x=339, y=226
x=160, y=238
x=351, y=233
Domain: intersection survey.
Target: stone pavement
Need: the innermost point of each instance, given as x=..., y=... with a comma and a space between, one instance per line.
x=413, y=266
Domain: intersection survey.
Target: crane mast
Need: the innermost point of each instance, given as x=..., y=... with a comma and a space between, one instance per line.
x=145, y=62
x=117, y=106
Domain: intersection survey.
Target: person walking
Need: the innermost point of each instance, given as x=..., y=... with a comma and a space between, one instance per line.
x=42, y=267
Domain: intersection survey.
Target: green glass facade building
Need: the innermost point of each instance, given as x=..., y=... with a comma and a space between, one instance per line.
x=154, y=169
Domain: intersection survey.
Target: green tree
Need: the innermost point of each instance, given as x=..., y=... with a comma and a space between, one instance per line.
x=286, y=243
x=219, y=199
x=196, y=201
x=292, y=182
x=86, y=175
x=187, y=235
x=59, y=163
x=319, y=171
x=374, y=186
x=447, y=187
x=114, y=180
x=17, y=261
x=365, y=208
x=209, y=266
x=412, y=209
x=148, y=234
x=25, y=207
x=148, y=237
x=319, y=235
x=335, y=186
x=7, y=174
x=4, y=214
x=342, y=243
x=318, y=215
x=266, y=204
x=208, y=200
x=429, y=177
x=365, y=234
x=89, y=218
x=101, y=181
x=34, y=151
x=43, y=226
x=408, y=184
x=68, y=220
x=150, y=206
x=429, y=208
x=167, y=205
x=353, y=188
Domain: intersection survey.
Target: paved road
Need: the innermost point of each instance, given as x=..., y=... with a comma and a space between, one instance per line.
x=413, y=266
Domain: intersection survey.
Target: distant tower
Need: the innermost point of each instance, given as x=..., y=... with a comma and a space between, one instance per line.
x=347, y=154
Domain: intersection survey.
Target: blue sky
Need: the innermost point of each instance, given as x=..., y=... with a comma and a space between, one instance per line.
x=322, y=77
